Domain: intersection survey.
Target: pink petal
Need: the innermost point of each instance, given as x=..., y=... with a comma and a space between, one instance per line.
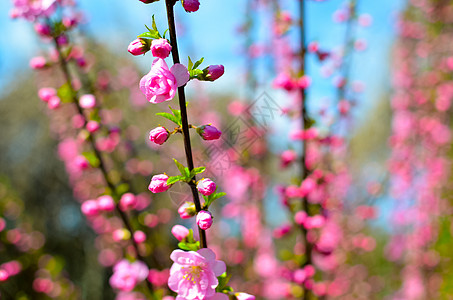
x=207, y=253
x=219, y=268
x=181, y=74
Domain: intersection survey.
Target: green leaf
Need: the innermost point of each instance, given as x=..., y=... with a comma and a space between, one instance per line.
x=216, y=196
x=181, y=168
x=198, y=63
x=190, y=65
x=223, y=281
x=187, y=173
x=66, y=93
x=169, y=117
x=189, y=246
x=165, y=32
x=211, y=198
x=154, y=24
x=195, y=72
x=173, y=179
x=91, y=158
x=177, y=114
x=196, y=171
x=122, y=188
x=149, y=35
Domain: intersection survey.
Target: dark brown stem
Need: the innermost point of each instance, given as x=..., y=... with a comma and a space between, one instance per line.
x=92, y=141
x=305, y=125
x=185, y=124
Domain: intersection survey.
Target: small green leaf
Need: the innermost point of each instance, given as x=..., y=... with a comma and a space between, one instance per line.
x=173, y=179
x=122, y=188
x=165, y=32
x=169, y=117
x=177, y=114
x=211, y=198
x=181, y=168
x=223, y=281
x=149, y=35
x=189, y=246
x=187, y=173
x=196, y=171
x=198, y=63
x=190, y=65
x=217, y=195
x=195, y=72
x=66, y=93
x=91, y=158
x=154, y=24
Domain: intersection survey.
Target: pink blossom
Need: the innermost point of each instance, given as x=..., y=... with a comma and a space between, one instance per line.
x=38, y=62
x=93, y=126
x=31, y=9
x=244, y=296
x=138, y=46
x=42, y=29
x=139, y=236
x=158, y=135
x=206, y=186
x=87, y=101
x=90, y=208
x=160, y=83
x=127, y=201
x=190, y=5
x=284, y=81
x=187, y=210
x=106, y=203
x=158, y=183
x=46, y=93
x=209, y=132
x=54, y=102
x=3, y=275
x=214, y=72
x=204, y=219
x=160, y=48
x=194, y=274
x=180, y=232
x=127, y=275
x=287, y=157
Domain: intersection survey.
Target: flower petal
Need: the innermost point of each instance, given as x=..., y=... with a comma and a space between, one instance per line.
x=181, y=74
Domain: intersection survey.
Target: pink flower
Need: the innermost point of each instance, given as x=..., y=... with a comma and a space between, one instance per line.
x=87, y=101
x=284, y=81
x=160, y=48
x=93, y=126
x=127, y=201
x=187, y=210
x=214, y=72
x=208, y=132
x=158, y=135
x=194, y=274
x=160, y=83
x=204, y=219
x=127, y=275
x=138, y=46
x=46, y=93
x=244, y=296
x=287, y=157
x=180, y=232
x=106, y=203
x=30, y=10
x=158, y=183
x=38, y=62
x=139, y=236
x=206, y=186
x=190, y=5
x=42, y=29
x=90, y=208
x=3, y=275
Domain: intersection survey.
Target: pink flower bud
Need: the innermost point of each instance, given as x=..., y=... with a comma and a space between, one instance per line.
x=139, y=236
x=287, y=157
x=93, y=126
x=81, y=162
x=38, y=62
x=121, y=235
x=158, y=183
x=90, y=208
x=304, y=82
x=106, y=203
x=206, y=186
x=307, y=186
x=190, y=5
x=244, y=296
x=187, y=210
x=313, y=47
x=46, y=93
x=284, y=81
x=208, y=132
x=138, y=47
x=314, y=222
x=87, y=101
x=159, y=135
x=204, y=219
x=127, y=201
x=300, y=217
x=3, y=275
x=160, y=48
x=54, y=102
x=180, y=232
x=299, y=276
x=42, y=29
x=2, y=224
x=214, y=72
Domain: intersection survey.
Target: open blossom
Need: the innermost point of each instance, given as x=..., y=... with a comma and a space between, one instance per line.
x=158, y=183
x=206, y=186
x=31, y=9
x=160, y=48
x=160, y=83
x=194, y=274
x=191, y=5
x=127, y=275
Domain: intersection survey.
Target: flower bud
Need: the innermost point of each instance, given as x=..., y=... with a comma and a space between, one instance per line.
x=159, y=135
x=206, y=186
x=43, y=29
x=148, y=1
x=46, y=93
x=287, y=157
x=208, y=132
x=160, y=48
x=3, y=275
x=54, y=102
x=139, y=236
x=214, y=72
x=38, y=62
x=190, y=5
x=180, y=232
x=158, y=183
x=93, y=126
x=138, y=46
x=106, y=203
x=127, y=201
x=244, y=296
x=87, y=101
x=187, y=210
x=81, y=162
x=204, y=219
x=90, y=208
